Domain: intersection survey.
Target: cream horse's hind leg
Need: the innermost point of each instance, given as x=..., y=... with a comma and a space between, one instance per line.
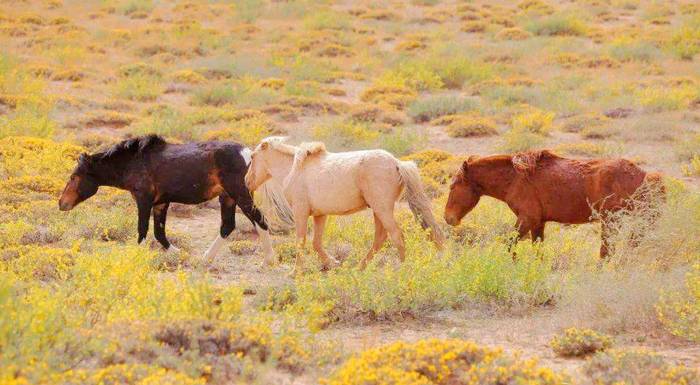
x=326, y=261
x=387, y=218
x=379, y=239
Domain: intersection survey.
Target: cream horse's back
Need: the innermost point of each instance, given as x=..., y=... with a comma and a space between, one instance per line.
x=339, y=183
x=318, y=183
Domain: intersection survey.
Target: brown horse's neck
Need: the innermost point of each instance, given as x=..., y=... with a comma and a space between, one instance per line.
x=493, y=175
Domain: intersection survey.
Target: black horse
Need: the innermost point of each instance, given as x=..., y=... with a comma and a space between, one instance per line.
x=158, y=173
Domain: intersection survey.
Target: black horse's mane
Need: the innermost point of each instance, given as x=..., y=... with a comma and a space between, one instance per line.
x=134, y=145
x=130, y=146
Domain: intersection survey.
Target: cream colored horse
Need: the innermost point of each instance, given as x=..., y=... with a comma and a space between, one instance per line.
x=318, y=183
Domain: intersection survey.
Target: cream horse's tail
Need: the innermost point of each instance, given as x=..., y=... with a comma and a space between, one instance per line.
x=418, y=201
x=277, y=209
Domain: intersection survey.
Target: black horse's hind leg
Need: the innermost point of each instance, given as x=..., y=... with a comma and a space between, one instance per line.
x=160, y=212
x=236, y=189
x=228, y=215
x=144, y=204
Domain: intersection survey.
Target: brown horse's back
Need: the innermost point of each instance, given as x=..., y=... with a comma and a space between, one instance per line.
x=568, y=189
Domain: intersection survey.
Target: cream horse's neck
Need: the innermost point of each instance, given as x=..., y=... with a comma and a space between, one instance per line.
x=279, y=166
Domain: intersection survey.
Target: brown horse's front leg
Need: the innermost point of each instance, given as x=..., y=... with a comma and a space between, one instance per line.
x=144, y=205
x=526, y=226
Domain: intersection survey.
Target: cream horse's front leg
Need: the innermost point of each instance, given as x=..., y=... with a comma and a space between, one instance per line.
x=326, y=261
x=300, y=220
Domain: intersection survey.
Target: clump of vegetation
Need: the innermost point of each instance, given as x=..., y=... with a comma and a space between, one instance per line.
x=557, y=25
x=471, y=125
x=439, y=362
x=423, y=110
x=685, y=42
x=395, y=96
x=249, y=131
x=513, y=33
x=580, y=342
x=346, y=135
x=533, y=120
x=680, y=311
x=637, y=367
x=519, y=139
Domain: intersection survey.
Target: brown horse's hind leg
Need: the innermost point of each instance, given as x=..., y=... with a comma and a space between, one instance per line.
x=379, y=239
x=538, y=233
x=605, y=229
x=326, y=261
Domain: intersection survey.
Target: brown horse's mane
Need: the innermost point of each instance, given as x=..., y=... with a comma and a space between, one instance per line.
x=526, y=162
x=130, y=146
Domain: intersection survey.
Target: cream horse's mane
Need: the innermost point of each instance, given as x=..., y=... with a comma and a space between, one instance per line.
x=300, y=153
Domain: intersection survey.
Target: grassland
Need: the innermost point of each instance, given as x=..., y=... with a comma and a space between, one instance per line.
x=429, y=80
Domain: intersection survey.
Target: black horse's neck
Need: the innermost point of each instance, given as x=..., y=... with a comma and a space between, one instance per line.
x=109, y=170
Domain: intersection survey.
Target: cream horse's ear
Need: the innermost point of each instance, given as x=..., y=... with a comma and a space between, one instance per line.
x=264, y=145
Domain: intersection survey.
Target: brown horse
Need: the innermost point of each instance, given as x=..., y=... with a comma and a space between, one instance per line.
x=540, y=186
x=158, y=173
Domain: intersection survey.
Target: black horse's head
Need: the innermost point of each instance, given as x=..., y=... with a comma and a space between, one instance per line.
x=81, y=185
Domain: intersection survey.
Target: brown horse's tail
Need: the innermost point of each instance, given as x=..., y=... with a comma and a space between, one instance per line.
x=655, y=186
x=418, y=201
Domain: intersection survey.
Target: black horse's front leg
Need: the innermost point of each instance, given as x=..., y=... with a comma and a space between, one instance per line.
x=160, y=212
x=144, y=206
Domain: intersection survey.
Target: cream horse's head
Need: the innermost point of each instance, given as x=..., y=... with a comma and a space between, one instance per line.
x=259, y=170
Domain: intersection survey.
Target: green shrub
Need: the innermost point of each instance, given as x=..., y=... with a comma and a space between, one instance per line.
x=417, y=76
x=346, y=135
x=167, y=122
x=141, y=88
x=424, y=282
x=471, y=125
x=579, y=342
x=680, y=311
x=516, y=140
x=214, y=95
x=557, y=25
x=637, y=367
x=685, y=42
x=423, y=110
x=455, y=72
x=533, y=120
x=627, y=49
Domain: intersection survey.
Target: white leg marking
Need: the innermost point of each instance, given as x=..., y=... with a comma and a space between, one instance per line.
x=213, y=250
x=172, y=250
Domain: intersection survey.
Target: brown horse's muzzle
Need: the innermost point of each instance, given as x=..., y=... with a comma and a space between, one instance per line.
x=452, y=220
x=65, y=206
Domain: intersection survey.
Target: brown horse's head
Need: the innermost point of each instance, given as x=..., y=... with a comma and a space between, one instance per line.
x=81, y=185
x=258, y=170
x=464, y=195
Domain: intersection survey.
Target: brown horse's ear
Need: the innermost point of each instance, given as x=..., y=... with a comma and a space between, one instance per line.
x=472, y=158
x=465, y=166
